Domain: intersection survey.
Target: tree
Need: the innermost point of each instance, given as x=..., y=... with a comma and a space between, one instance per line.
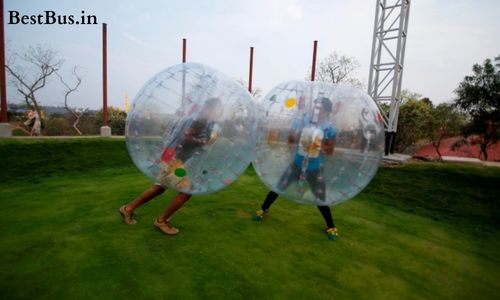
x=42, y=63
x=478, y=95
x=407, y=95
x=116, y=118
x=31, y=73
x=88, y=122
x=67, y=92
x=414, y=115
x=338, y=69
x=445, y=122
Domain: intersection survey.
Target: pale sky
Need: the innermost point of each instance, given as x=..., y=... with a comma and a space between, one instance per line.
x=445, y=38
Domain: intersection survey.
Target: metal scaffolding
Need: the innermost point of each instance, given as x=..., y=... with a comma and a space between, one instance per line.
x=387, y=59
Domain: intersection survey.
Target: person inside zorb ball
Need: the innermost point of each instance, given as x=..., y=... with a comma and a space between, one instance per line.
x=192, y=128
x=318, y=143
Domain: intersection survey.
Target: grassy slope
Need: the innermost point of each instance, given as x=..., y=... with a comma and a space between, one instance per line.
x=433, y=233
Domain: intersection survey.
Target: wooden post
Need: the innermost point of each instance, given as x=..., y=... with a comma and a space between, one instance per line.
x=3, y=86
x=313, y=69
x=183, y=50
x=250, y=75
x=105, y=129
x=104, y=76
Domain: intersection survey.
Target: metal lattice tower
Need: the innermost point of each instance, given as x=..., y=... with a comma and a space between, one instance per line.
x=386, y=67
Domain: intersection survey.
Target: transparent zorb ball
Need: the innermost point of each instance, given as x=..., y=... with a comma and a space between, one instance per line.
x=318, y=143
x=192, y=128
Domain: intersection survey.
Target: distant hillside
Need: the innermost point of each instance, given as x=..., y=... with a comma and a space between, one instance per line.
x=48, y=110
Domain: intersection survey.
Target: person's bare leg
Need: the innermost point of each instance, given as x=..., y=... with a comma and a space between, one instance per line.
x=127, y=210
x=147, y=195
x=162, y=222
x=173, y=206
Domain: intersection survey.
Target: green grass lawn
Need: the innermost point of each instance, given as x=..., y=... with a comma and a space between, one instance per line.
x=424, y=230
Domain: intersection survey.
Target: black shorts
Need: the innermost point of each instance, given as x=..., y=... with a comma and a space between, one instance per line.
x=314, y=178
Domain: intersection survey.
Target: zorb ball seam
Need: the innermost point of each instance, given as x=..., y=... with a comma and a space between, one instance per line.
x=318, y=143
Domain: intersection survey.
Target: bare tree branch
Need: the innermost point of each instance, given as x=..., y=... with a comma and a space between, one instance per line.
x=19, y=78
x=338, y=69
x=68, y=91
x=44, y=64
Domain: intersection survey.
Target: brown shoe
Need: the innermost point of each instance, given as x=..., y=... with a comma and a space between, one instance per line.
x=128, y=218
x=166, y=227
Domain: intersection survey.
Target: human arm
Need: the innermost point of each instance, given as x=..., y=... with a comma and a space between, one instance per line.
x=192, y=137
x=328, y=145
x=200, y=133
x=293, y=136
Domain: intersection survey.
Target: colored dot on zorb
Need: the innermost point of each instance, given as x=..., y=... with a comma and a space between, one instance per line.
x=318, y=143
x=192, y=128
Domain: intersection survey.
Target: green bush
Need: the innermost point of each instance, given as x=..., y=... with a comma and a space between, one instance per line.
x=58, y=126
x=19, y=132
x=116, y=120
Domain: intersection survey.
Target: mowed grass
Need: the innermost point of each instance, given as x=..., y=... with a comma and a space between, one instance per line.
x=421, y=231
